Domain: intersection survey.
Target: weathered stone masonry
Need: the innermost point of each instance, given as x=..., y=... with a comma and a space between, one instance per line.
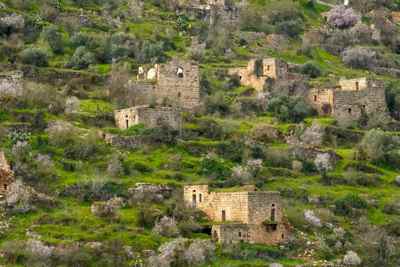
x=248, y=216
x=176, y=82
x=150, y=116
x=258, y=71
x=6, y=174
x=351, y=99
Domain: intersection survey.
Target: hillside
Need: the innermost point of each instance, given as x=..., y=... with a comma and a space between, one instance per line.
x=109, y=108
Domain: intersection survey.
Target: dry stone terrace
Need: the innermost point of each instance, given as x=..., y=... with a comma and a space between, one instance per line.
x=243, y=216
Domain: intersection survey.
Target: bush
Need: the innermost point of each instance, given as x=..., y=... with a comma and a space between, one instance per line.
x=375, y=145
x=345, y=206
x=81, y=59
x=34, y=56
x=287, y=108
x=148, y=216
x=342, y=17
x=311, y=70
x=55, y=39
x=360, y=57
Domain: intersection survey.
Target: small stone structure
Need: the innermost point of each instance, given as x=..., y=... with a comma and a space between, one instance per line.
x=247, y=216
x=350, y=100
x=176, y=82
x=150, y=116
x=258, y=71
x=6, y=175
x=11, y=84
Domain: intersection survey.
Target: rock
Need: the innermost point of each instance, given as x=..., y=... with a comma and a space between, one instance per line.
x=38, y=249
x=297, y=166
x=339, y=232
x=23, y=198
x=265, y=133
x=199, y=252
x=72, y=105
x=275, y=265
x=397, y=180
x=183, y=251
x=313, y=135
x=13, y=21
x=324, y=162
x=107, y=209
x=310, y=217
x=149, y=192
x=11, y=85
x=351, y=259
x=166, y=226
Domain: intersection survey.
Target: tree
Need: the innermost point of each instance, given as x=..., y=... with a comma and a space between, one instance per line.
x=34, y=56
x=55, y=39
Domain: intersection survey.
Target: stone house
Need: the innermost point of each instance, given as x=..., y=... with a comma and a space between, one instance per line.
x=243, y=216
x=151, y=117
x=351, y=99
x=258, y=71
x=6, y=174
x=177, y=82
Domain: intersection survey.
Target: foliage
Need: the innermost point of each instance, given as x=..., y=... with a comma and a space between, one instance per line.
x=34, y=56
x=289, y=108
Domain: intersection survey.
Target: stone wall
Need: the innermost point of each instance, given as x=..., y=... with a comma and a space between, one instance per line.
x=6, y=174
x=350, y=100
x=251, y=216
x=321, y=100
x=350, y=103
x=353, y=84
x=258, y=71
x=176, y=82
x=11, y=84
x=151, y=117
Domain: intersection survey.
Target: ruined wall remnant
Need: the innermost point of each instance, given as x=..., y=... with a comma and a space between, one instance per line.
x=150, y=116
x=352, y=99
x=11, y=84
x=321, y=100
x=258, y=71
x=177, y=82
x=6, y=174
x=249, y=216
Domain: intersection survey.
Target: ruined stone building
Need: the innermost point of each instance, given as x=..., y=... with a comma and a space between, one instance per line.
x=150, y=116
x=258, y=71
x=11, y=84
x=6, y=174
x=176, y=82
x=350, y=100
x=245, y=216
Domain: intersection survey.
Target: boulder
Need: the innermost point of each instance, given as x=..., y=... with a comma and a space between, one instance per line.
x=312, y=219
x=72, y=105
x=107, y=209
x=183, y=252
x=324, y=162
x=351, y=259
x=199, y=252
x=275, y=265
x=38, y=249
x=23, y=198
x=166, y=226
x=149, y=192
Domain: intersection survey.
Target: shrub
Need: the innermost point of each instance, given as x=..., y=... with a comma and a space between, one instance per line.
x=287, y=108
x=345, y=206
x=55, y=39
x=311, y=70
x=81, y=59
x=375, y=144
x=342, y=17
x=148, y=216
x=34, y=56
x=360, y=57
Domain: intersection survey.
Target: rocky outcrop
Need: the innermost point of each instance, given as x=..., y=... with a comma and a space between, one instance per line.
x=107, y=209
x=351, y=259
x=312, y=219
x=23, y=198
x=183, y=252
x=149, y=192
x=166, y=226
